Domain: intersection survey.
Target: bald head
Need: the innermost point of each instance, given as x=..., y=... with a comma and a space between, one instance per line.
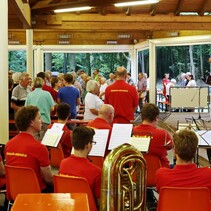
x=121, y=73
x=106, y=112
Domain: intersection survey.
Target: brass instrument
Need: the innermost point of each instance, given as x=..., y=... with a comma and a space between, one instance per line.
x=124, y=180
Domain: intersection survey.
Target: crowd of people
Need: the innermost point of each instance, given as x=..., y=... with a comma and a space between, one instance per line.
x=106, y=102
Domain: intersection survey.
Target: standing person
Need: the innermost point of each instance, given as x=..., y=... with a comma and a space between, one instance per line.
x=56, y=84
x=185, y=173
x=141, y=87
x=63, y=112
x=169, y=85
x=25, y=151
x=70, y=95
x=96, y=75
x=111, y=79
x=78, y=164
x=20, y=92
x=191, y=81
x=46, y=86
x=103, y=86
x=129, y=80
x=123, y=97
x=165, y=81
x=44, y=101
x=183, y=80
x=92, y=100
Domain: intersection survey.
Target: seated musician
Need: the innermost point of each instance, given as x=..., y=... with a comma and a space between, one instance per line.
x=104, y=120
x=161, y=141
x=25, y=151
x=78, y=164
x=185, y=173
x=63, y=112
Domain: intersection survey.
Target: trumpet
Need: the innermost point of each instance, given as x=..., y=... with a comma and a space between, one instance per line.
x=123, y=180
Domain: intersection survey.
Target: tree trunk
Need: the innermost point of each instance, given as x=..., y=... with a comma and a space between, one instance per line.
x=191, y=61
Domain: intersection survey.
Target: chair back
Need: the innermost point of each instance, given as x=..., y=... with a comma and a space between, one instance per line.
x=179, y=199
x=98, y=161
x=153, y=164
x=56, y=156
x=20, y=180
x=72, y=184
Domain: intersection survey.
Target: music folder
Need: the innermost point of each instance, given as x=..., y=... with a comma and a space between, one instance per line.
x=53, y=135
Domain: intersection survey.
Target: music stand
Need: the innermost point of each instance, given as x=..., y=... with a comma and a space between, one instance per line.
x=204, y=142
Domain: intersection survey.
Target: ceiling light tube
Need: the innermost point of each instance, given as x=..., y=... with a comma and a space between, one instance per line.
x=135, y=3
x=72, y=9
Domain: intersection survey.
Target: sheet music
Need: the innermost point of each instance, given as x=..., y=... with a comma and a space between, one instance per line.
x=101, y=137
x=52, y=138
x=57, y=127
x=121, y=134
x=141, y=143
x=204, y=137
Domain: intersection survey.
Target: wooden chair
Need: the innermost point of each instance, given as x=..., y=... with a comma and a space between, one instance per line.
x=20, y=180
x=72, y=184
x=182, y=199
x=56, y=156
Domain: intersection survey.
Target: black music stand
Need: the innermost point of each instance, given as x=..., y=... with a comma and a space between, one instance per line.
x=205, y=142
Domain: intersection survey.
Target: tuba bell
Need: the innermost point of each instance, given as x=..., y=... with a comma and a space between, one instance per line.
x=123, y=180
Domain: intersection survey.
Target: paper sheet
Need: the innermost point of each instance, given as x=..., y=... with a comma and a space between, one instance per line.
x=121, y=134
x=141, y=143
x=101, y=137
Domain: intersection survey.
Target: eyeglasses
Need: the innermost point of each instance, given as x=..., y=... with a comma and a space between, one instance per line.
x=93, y=142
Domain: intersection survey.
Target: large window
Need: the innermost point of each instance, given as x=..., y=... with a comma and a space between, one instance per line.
x=105, y=62
x=17, y=60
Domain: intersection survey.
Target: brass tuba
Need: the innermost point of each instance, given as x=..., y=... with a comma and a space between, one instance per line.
x=123, y=180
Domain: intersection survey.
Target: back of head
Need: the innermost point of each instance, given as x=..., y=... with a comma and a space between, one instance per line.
x=41, y=75
x=106, y=111
x=149, y=112
x=185, y=142
x=25, y=116
x=38, y=82
x=91, y=85
x=68, y=78
x=121, y=72
x=54, y=81
x=63, y=111
x=81, y=136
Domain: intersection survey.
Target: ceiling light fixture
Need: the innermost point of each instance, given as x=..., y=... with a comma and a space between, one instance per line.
x=135, y=3
x=72, y=9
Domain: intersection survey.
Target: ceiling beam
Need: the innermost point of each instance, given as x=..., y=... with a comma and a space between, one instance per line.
x=203, y=8
x=179, y=7
x=122, y=18
x=23, y=12
x=38, y=8
x=123, y=26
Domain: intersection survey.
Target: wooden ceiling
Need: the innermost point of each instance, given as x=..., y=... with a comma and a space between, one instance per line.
x=125, y=25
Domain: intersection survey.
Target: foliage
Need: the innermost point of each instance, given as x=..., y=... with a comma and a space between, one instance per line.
x=17, y=61
x=105, y=62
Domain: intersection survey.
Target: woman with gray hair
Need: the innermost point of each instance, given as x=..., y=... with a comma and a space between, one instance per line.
x=92, y=101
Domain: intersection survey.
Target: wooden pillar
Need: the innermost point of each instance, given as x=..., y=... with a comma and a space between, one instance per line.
x=4, y=111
